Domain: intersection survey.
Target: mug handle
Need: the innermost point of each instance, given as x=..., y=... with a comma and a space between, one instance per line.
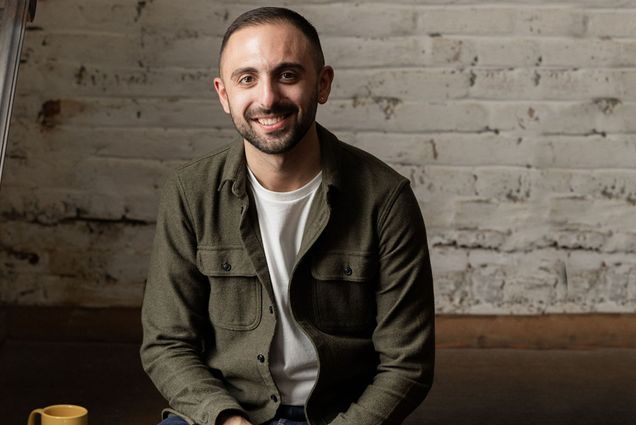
x=32, y=416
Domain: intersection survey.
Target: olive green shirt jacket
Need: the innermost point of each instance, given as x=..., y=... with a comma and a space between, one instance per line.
x=361, y=289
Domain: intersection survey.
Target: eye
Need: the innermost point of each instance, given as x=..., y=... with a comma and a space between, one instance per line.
x=246, y=79
x=288, y=76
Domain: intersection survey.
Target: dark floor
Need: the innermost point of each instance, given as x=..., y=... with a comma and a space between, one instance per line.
x=471, y=386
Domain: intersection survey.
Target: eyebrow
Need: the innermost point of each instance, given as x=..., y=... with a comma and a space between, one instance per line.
x=279, y=67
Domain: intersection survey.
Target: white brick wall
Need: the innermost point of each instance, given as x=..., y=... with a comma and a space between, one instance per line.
x=513, y=120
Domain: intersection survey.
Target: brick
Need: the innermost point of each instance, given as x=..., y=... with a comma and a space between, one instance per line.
x=487, y=284
x=49, y=206
x=595, y=116
x=451, y=148
x=76, y=233
x=605, y=185
x=494, y=20
x=588, y=53
x=551, y=84
x=405, y=149
x=506, y=283
x=505, y=51
x=161, y=144
x=592, y=278
x=202, y=18
x=104, y=174
x=585, y=152
x=438, y=213
x=470, y=213
x=512, y=184
x=127, y=112
x=579, y=214
x=354, y=52
x=611, y=23
x=184, y=50
x=42, y=48
x=465, y=20
x=455, y=51
x=63, y=79
x=478, y=219
x=548, y=52
x=481, y=238
x=395, y=115
x=429, y=182
x=621, y=242
x=550, y=21
x=404, y=83
x=357, y=19
x=117, y=16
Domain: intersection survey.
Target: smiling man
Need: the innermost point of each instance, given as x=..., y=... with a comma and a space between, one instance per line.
x=290, y=280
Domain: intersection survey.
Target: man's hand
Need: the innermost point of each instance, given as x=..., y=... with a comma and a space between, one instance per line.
x=236, y=420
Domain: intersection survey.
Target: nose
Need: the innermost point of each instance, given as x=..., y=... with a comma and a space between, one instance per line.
x=269, y=94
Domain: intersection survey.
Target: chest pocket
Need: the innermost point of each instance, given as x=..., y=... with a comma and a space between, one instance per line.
x=344, y=291
x=235, y=291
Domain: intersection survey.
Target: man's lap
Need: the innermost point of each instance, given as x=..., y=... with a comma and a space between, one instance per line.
x=173, y=420
x=178, y=420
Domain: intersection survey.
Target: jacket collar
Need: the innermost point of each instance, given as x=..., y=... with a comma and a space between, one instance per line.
x=235, y=169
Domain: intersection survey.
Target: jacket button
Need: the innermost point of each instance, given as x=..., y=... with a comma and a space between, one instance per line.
x=227, y=266
x=261, y=358
x=271, y=309
x=347, y=270
x=274, y=398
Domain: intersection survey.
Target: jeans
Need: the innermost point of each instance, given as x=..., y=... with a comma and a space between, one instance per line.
x=295, y=412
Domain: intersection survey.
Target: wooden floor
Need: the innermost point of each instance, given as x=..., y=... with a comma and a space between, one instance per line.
x=472, y=386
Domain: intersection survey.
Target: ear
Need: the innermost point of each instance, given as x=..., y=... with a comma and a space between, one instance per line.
x=220, y=90
x=324, y=80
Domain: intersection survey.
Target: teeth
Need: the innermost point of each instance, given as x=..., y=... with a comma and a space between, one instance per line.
x=269, y=121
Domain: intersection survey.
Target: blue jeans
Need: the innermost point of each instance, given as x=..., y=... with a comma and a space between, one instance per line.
x=295, y=412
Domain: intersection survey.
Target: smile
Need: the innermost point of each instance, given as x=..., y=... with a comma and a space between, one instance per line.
x=272, y=122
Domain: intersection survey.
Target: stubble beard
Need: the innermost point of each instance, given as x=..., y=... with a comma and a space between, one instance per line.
x=281, y=141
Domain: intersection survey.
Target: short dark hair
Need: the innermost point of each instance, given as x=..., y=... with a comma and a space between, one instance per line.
x=273, y=15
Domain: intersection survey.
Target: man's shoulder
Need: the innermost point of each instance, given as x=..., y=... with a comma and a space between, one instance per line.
x=207, y=162
x=361, y=158
x=207, y=170
x=359, y=167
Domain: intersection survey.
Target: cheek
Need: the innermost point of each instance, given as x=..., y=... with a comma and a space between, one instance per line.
x=238, y=103
x=301, y=96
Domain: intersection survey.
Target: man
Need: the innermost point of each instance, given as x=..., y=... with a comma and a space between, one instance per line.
x=290, y=278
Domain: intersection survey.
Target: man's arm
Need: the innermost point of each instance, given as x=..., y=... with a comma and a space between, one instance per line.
x=175, y=319
x=404, y=335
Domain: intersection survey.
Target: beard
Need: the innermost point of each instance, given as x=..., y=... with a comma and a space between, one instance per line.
x=280, y=141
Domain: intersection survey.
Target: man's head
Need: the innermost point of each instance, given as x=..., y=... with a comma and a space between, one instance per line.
x=272, y=76
x=276, y=15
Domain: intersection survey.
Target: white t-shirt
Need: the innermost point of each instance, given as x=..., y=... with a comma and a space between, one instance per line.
x=282, y=217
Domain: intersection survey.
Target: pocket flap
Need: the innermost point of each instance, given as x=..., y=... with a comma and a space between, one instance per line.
x=348, y=266
x=223, y=261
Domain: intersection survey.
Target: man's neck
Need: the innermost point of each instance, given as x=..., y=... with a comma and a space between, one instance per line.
x=287, y=171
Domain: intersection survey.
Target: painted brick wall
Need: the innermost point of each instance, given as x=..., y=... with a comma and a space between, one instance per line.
x=514, y=121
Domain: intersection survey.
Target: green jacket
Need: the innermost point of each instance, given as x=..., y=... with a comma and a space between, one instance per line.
x=361, y=289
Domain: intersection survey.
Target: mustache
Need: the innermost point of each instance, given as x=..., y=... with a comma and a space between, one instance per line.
x=276, y=109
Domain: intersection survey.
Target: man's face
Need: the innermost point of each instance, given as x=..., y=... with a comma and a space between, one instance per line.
x=270, y=85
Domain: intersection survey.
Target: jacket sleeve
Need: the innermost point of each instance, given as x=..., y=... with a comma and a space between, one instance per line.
x=404, y=334
x=175, y=319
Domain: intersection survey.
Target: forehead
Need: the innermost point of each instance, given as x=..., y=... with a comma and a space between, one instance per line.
x=264, y=46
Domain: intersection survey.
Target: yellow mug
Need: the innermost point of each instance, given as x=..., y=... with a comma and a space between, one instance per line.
x=60, y=414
